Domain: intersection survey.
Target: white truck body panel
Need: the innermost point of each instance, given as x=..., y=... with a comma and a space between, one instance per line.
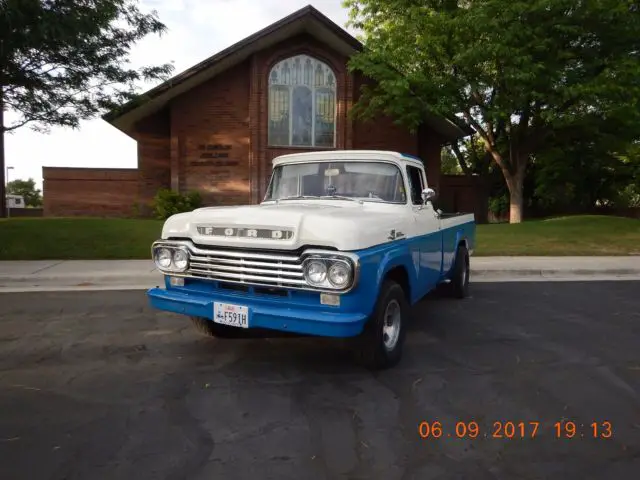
x=341, y=224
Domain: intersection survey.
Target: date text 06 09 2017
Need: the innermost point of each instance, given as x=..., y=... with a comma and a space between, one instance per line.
x=515, y=430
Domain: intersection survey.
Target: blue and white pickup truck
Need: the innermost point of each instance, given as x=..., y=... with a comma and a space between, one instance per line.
x=344, y=243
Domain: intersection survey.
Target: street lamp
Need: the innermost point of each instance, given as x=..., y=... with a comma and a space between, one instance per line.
x=6, y=199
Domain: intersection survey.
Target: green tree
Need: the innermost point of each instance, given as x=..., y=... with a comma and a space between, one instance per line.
x=26, y=188
x=628, y=192
x=519, y=71
x=579, y=173
x=470, y=156
x=62, y=61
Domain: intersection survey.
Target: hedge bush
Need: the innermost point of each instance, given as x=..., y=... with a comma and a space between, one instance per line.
x=167, y=203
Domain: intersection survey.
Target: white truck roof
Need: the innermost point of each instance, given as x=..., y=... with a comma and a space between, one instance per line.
x=348, y=155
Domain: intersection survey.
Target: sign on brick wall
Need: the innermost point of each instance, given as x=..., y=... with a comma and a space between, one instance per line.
x=214, y=151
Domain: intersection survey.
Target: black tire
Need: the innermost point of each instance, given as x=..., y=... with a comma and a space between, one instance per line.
x=460, y=275
x=369, y=347
x=212, y=329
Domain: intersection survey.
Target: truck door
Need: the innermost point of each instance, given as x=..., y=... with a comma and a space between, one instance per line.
x=428, y=235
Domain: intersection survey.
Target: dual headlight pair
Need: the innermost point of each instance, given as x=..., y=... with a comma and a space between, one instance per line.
x=328, y=273
x=172, y=259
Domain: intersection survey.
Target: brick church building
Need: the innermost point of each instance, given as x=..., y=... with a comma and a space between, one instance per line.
x=216, y=127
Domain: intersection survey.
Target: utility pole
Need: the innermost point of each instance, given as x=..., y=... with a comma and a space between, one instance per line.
x=7, y=203
x=3, y=191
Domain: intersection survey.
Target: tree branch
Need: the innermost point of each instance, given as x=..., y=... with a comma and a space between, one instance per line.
x=461, y=160
x=479, y=102
x=475, y=124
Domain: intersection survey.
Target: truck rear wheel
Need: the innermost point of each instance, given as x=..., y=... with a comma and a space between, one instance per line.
x=212, y=329
x=460, y=275
x=380, y=344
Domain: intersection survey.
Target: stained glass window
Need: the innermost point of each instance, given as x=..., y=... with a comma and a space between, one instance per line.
x=302, y=103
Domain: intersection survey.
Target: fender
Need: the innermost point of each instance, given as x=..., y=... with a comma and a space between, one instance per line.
x=461, y=236
x=452, y=237
x=378, y=261
x=452, y=250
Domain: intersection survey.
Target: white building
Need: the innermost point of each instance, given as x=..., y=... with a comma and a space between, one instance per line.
x=15, y=201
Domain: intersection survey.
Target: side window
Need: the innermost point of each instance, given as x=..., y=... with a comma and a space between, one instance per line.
x=416, y=184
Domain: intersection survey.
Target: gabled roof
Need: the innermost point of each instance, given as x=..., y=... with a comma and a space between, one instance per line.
x=306, y=20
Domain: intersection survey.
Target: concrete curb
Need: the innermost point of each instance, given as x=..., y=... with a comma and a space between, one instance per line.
x=81, y=281
x=92, y=278
x=137, y=281
x=157, y=276
x=523, y=272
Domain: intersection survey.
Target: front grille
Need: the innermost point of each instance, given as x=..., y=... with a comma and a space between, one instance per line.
x=271, y=270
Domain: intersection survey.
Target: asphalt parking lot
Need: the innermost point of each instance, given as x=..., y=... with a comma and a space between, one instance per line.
x=98, y=386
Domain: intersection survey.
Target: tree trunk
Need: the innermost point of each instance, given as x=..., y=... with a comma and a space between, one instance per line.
x=515, y=184
x=3, y=193
x=516, y=200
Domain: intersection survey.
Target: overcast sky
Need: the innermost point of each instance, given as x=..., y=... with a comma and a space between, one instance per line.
x=197, y=30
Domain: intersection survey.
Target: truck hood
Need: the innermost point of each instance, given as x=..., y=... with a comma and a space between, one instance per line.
x=340, y=224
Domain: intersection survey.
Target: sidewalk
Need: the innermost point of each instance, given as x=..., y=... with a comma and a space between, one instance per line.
x=60, y=275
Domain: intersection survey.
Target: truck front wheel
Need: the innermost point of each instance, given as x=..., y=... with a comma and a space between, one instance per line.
x=380, y=344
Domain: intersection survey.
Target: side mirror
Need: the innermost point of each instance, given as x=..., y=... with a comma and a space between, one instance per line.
x=428, y=194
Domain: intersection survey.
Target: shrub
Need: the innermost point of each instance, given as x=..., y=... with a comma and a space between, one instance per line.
x=499, y=205
x=167, y=203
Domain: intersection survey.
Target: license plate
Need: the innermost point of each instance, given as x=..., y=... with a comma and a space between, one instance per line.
x=232, y=315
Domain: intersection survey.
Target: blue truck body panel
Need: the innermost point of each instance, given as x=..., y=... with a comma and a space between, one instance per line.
x=427, y=261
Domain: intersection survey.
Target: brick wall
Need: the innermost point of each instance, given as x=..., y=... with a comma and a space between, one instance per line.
x=89, y=192
x=430, y=151
x=153, y=135
x=215, y=113
x=381, y=133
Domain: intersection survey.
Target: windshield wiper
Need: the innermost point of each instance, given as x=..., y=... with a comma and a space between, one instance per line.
x=340, y=197
x=297, y=197
x=304, y=197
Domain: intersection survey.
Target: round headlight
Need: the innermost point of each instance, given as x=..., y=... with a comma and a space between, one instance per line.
x=339, y=274
x=163, y=257
x=316, y=272
x=180, y=259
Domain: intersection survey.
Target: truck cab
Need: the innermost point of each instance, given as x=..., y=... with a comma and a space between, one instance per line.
x=343, y=244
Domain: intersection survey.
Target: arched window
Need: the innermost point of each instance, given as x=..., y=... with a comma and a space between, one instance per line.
x=302, y=103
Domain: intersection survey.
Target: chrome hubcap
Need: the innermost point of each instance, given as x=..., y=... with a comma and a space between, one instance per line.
x=391, y=326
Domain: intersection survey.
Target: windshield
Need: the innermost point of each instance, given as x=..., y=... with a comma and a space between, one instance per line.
x=367, y=181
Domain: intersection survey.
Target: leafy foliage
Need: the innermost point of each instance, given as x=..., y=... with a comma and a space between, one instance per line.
x=499, y=205
x=66, y=60
x=168, y=202
x=521, y=72
x=26, y=188
x=470, y=155
x=62, y=61
x=449, y=163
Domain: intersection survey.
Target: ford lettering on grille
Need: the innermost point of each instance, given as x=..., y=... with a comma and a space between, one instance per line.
x=264, y=233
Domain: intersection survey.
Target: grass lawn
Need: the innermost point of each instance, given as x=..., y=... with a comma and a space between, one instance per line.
x=561, y=236
x=76, y=238
x=96, y=238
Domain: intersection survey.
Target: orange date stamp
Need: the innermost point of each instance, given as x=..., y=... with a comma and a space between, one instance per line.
x=564, y=429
